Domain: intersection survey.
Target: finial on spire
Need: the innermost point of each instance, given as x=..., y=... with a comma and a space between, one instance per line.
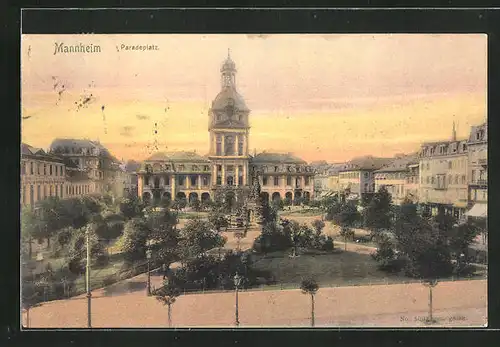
x=229, y=53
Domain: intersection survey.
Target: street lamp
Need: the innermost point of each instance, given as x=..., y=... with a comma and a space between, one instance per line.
x=237, y=283
x=431, y=284
x=87, y=279
x=148, y=256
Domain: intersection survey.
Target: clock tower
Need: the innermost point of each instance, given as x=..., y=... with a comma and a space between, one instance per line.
x=229, y=129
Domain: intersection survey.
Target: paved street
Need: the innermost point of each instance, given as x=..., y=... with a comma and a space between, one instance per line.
x=461, y=303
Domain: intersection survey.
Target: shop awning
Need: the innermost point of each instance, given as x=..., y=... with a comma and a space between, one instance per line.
x=478, y=210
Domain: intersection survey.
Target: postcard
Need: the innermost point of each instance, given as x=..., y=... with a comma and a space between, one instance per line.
x=253, y=180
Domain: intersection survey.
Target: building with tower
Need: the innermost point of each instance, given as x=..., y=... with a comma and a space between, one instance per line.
x=228, y=164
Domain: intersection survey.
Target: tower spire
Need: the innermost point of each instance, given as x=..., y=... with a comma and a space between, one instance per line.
x=229, y=53
x=454, y=133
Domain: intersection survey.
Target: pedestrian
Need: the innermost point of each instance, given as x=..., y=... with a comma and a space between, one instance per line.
x=164, y=270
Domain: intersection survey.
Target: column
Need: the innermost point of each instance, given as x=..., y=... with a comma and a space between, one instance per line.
x=223, y=176
x=303, y=182
x=236, y=139
x=237, y=174
x=212, y=144
x=245, y=143
x=173, y=186
x=214, y=175
x=188, y=181
x=283, y=179
x=222, y=144
x=245, y=172
x=199, y=182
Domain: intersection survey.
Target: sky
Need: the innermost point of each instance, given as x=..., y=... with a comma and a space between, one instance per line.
x=322, y=97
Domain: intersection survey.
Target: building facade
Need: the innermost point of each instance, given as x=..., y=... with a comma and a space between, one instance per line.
x=181, y=175
x=478, y=170
x=228, y=164
x=398, y=178
x=42, y=175
x=90, y=167
x=358, y=178
x=443, y=170
x=284, y=176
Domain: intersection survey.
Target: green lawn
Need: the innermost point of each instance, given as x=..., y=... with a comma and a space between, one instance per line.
x=338, y=268
x=192, y=215
x=302, y=212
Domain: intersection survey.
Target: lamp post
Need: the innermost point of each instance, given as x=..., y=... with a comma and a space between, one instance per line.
x=148, y=256
x=431, y=284
x=237, y=283
x=87, y=279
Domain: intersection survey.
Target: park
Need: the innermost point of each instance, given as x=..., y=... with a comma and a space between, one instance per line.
x=128, y=255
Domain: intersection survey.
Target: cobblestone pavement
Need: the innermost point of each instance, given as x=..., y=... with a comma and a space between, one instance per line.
x=460, y=303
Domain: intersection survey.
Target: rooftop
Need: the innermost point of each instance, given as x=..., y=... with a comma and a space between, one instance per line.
x=177, y=156
x=400, y=163
x=282, y=158
x=366, y=163
x=39, y=152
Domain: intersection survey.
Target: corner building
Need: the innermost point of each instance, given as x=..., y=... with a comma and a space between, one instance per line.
x=228, y=163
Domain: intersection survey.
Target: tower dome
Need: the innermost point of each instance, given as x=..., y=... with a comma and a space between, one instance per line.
x=229, y=108
x=228, y=64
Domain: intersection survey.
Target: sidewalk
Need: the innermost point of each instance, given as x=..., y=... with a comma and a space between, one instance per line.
x=461, y=303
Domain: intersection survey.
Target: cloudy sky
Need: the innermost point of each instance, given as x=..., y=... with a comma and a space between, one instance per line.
x=330, y=97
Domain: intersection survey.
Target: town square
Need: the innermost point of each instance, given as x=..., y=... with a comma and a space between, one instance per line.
x=254, y=181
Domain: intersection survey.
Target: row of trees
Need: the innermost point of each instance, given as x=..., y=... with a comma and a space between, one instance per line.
x=421, y=246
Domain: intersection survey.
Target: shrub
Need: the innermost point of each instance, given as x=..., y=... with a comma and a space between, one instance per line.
x=328, y=244
x=273, y=238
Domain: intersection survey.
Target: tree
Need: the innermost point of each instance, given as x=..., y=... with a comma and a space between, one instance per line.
x=274, y=237
x=195, y=204
x=385, y=254
x=265, y=210
x=29, y=226
x=218, y=219
x=30, y=299
x=131, y=207
x=167, y=295
x=347, y=233
x=135, y=235
x=197, y=237
x=300, y=235
x=109, y=227
x=77, y=247
x=309, y=286
x=378, y=214
x=163, y=235
x=318, y=226
x=346, y=214
x=315, y=203
x=278, y=204
x=425, y=246
x=179, y=203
